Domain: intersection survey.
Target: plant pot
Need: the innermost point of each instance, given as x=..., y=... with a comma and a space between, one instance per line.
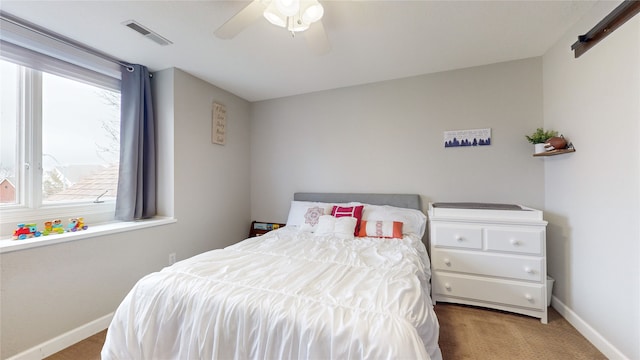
x=539, y=148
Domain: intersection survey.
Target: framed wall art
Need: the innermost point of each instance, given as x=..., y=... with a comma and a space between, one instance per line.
x=219, y=124
x=474, y=137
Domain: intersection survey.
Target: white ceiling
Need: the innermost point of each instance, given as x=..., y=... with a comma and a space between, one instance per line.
x=371, y=40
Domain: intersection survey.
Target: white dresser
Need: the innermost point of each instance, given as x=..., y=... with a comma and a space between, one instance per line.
x=489, y=255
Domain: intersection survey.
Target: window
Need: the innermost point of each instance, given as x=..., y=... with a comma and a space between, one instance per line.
x=59, y=144
x=89, y=118
x=9, y=136
x=59, y=128
x=62, y=143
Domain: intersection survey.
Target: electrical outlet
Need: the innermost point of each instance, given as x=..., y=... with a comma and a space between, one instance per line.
x=172, y=258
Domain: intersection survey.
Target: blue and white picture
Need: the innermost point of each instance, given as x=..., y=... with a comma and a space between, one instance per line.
x=475, y=137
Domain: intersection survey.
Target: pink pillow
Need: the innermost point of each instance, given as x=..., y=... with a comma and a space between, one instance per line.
x=381, y=229
x=353, y=211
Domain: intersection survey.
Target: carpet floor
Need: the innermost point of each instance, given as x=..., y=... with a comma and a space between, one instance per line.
x=470, y=333
x=466, y=333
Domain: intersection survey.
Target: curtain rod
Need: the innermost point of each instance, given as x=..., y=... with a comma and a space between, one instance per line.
x=621, y=14
x=61, y=39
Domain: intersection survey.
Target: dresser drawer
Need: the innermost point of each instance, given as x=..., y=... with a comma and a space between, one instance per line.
x=460, y=236
x=516, y=240
x=481, y=263
x=494, y=291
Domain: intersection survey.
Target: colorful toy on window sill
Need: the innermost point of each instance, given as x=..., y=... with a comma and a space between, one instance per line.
x=26, y=231
x=76, y=224
x=53, y=227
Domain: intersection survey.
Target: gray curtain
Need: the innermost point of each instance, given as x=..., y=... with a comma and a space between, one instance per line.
x=136, y=197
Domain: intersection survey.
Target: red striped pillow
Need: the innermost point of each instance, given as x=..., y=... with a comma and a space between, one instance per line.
x=353, y=211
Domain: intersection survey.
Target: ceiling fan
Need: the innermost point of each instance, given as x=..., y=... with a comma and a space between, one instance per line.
x=294, y=15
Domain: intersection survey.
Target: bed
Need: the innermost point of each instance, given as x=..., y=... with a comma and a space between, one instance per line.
x=347, y=278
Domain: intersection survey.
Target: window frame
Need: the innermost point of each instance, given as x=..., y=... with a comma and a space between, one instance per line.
x=29, y=205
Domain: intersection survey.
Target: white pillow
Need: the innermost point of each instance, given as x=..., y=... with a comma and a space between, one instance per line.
x=414, y=221
x=342, y=227
x=305, y=214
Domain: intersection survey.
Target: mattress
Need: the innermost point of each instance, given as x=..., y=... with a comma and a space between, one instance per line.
x=284, y=295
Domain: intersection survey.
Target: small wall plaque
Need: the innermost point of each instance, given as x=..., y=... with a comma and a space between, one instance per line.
x=219, y=124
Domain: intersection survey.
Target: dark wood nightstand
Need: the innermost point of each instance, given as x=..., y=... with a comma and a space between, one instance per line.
x=260, y=228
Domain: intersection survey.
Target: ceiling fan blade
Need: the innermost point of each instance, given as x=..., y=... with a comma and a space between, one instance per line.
x=241, y=20
x=317, y=38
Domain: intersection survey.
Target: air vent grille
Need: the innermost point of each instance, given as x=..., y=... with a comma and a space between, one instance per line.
x=146, y=32
x=138, y=28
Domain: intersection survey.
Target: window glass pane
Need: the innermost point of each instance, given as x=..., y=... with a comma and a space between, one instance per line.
x=80, y=140
x=9, y=175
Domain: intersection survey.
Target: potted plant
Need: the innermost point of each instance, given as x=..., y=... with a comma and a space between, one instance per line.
x=539, y=138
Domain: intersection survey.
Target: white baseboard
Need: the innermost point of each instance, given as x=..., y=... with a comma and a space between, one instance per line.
x=65, y=340
x=587, y=331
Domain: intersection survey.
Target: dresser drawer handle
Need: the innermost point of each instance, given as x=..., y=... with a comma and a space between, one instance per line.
x=447, y=286
x=459, y=238
x=447, y=262
x=514, y=242
x=528, y=297
x=528, y=270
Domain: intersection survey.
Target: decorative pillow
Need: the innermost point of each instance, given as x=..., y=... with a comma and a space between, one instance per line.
x=343, y=227
x=305, y=214
x=381, y=229
x=350, y=211
x=413, y=221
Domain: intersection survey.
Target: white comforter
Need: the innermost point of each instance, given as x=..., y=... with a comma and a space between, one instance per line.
x=283, y=295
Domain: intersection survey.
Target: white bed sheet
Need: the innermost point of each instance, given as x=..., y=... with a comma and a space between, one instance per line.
x=284, y=295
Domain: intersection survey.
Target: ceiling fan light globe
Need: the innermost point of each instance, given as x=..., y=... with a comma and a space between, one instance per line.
x=274, y=17
x=313, y=13
x=288, y=7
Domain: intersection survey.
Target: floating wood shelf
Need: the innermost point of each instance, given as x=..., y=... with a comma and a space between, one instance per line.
x=555, y=152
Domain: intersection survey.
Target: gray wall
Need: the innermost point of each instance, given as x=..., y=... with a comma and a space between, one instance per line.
x=592, y=197
x=388, y=137
x=50, y=290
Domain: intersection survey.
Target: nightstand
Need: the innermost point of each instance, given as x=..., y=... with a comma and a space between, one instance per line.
x=260, y=228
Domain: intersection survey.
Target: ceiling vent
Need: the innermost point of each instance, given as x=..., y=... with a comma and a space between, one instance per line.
x=153, y=36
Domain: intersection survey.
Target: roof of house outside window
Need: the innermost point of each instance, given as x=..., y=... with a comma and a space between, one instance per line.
x=91, y=186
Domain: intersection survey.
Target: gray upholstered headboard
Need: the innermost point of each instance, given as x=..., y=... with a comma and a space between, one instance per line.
x=410, y=201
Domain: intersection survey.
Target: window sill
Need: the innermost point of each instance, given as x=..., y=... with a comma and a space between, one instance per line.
x=9, y=245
